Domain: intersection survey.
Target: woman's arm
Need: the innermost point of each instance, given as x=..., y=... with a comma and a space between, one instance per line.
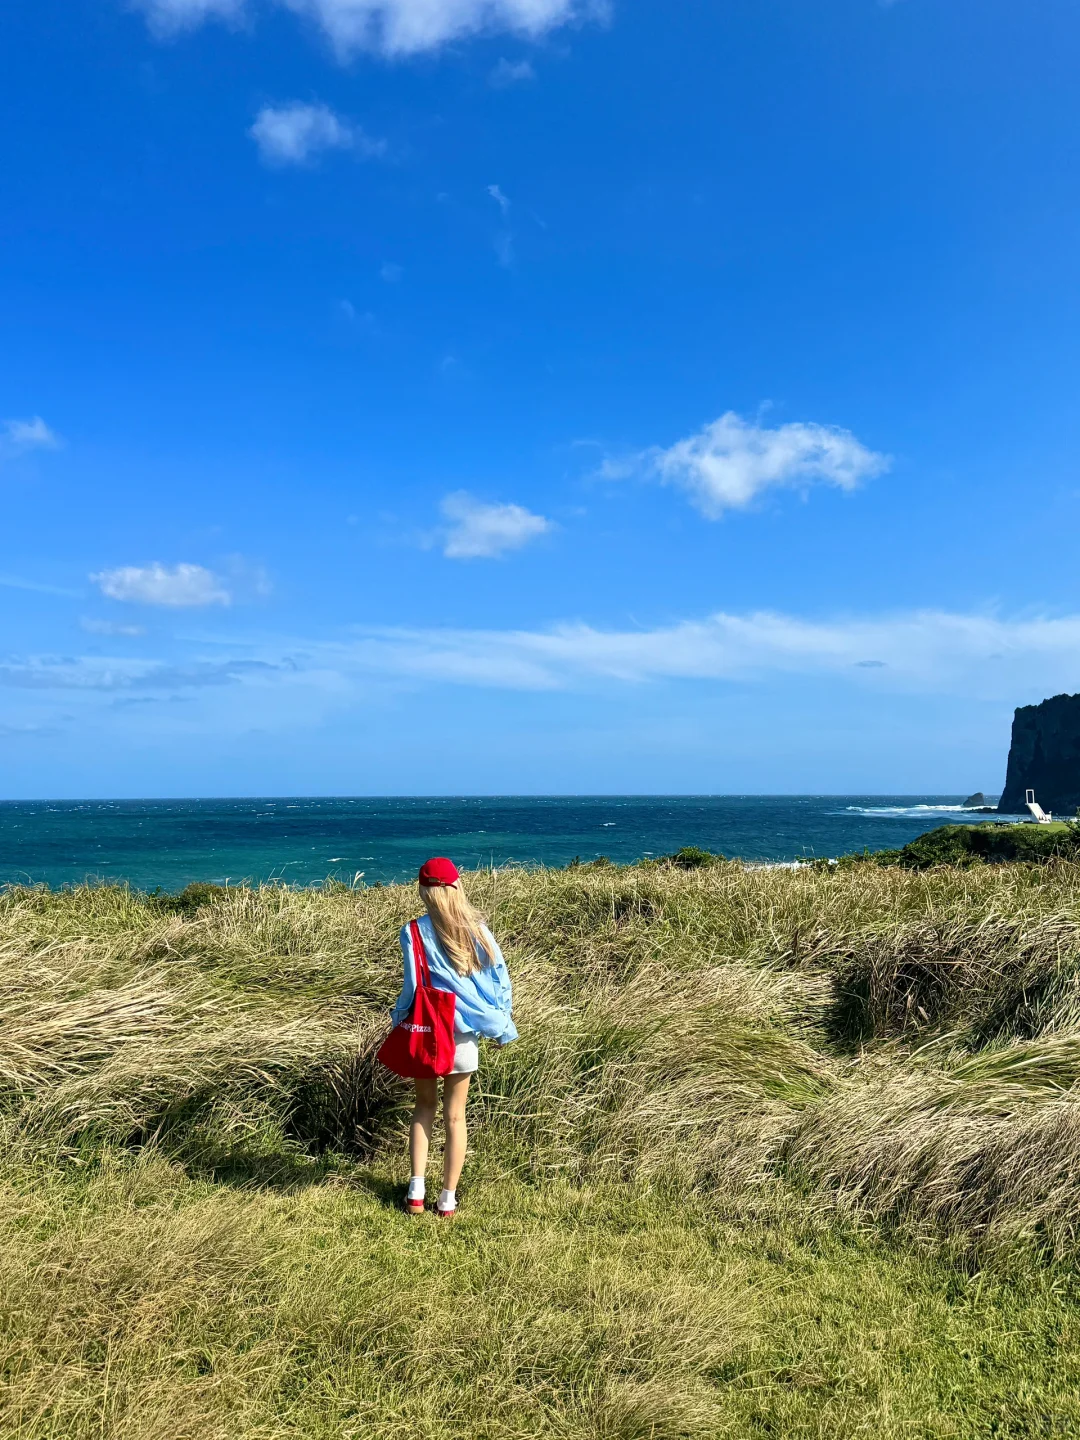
x=403, y=1004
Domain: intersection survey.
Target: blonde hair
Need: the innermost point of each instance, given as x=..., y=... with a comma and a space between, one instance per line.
x=459, y=928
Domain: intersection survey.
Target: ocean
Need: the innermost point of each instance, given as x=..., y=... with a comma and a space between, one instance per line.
x=169, y=843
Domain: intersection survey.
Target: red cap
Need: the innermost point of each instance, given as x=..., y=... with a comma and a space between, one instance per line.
x=438, y=871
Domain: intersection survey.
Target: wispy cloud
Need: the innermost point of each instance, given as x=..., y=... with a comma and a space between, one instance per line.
x=19, y=436
x=283, y=682
x=925, y=652
x=12, y=582
x=478, y=531
x=94, y=626
x=732, y=461
x=387, y=27
x=167, y=17
x=177, y=586
x=390, y=273
x=363, y=321
x=295, y=133
x=90, y=673
x=504, y=239
x=510, y=72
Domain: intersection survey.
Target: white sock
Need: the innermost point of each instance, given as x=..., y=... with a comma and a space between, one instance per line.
x=416, y=1188
x=448, y=1200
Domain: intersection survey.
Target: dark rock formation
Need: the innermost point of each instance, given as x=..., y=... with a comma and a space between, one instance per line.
x=978, y=799
x=1045, y=757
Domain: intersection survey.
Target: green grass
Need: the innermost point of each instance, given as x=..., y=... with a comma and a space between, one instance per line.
x=985, y=843
x=780, y=1153
x=152, y=1304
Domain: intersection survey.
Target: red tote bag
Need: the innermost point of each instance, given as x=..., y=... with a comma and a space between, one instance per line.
x=422, y=1046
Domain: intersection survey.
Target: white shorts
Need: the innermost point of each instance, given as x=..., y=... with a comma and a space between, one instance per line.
x=467, y=1054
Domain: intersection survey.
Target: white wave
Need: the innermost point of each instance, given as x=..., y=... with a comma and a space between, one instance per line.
x=917, y=812
x=912, y=811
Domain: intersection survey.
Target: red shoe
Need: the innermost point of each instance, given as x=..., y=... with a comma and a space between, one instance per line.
x=446, y=1214
x=414, y=1207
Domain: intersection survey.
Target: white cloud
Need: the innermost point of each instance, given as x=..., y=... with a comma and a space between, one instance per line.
x=166, y=17
x=504, y=240
x=261, y=680
x=292, y=134
x=33, y=434
x=510, y=72
x=389, y=27
x=19, y=732
x=98, y=673
x=363, y=320
x=924, y=652
x=177, y=585
x=13, y=582
x=390, y=273
x=109, y=627
x=732, y=461
x=479, y=531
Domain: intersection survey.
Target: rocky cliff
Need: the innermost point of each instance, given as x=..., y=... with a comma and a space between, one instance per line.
x=1045, y=757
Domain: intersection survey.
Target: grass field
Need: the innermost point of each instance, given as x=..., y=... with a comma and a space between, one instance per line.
x=780, y=1153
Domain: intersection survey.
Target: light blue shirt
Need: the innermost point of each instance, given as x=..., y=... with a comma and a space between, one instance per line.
x=483, y=998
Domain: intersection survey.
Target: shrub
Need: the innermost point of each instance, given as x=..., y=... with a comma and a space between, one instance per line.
x=988, y=843
x=191, y=899
x=692, y=857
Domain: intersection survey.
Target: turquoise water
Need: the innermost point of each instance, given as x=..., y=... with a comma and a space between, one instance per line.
x=168, y=843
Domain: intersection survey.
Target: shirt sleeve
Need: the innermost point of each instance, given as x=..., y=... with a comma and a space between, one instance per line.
x=403, y=1004
x=503, y=985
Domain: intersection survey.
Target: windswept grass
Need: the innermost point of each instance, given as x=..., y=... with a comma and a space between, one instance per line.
x=779, y=1153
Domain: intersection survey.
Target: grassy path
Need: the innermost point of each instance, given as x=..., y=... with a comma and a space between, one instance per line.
x=141, y=1303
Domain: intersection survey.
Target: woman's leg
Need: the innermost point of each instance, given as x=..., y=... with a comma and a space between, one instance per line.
x=427, y=1098
x=455, y=1091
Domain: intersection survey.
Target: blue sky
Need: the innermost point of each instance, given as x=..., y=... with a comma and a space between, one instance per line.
x=413, y=396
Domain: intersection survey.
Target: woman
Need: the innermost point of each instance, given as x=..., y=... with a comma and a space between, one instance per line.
x=463, y=957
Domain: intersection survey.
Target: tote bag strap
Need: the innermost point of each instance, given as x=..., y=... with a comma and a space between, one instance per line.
x=420, y=961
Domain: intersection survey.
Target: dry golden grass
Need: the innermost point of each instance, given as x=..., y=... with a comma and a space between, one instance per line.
x=720, y=1023
x=743, y=1174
